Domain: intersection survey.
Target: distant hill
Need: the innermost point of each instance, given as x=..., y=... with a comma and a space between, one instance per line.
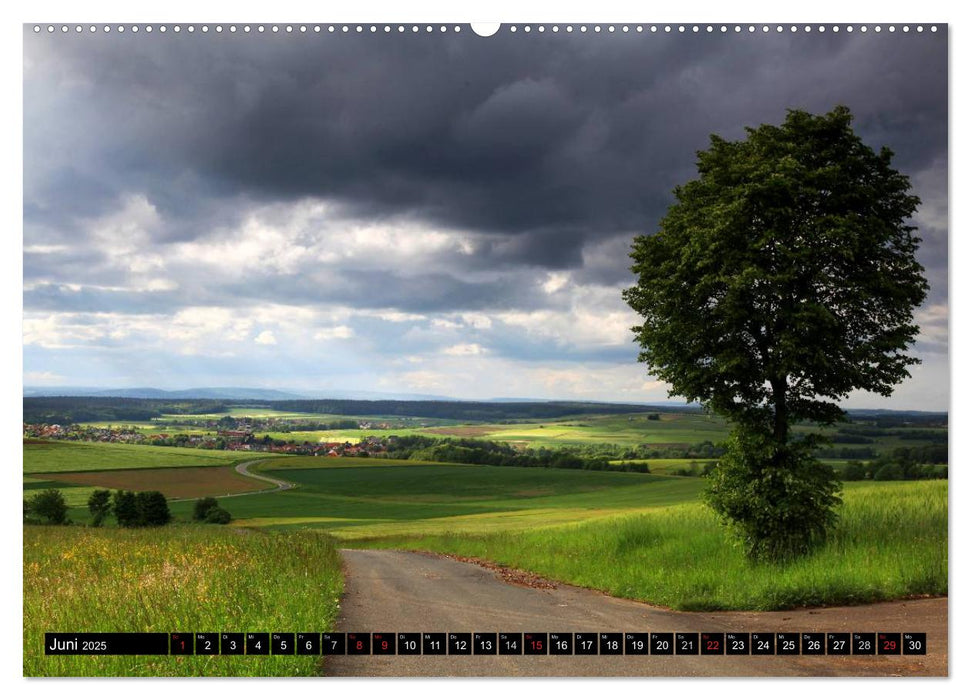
x=72, y=409
x=141, y=403
x=219, y=393
x=225, y=394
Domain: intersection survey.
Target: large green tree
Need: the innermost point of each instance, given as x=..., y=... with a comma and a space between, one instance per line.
x=782, y=278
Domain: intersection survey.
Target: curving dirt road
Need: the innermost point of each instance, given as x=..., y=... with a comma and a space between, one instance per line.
x=280, y=484
x=243, y=468
x=393, y=591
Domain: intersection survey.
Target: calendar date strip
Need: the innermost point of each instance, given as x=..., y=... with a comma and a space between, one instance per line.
x=486, y=643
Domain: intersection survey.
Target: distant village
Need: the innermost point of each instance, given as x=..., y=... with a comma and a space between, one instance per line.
x=242, y=438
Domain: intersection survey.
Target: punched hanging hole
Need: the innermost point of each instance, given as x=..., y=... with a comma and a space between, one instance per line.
x=485, y=28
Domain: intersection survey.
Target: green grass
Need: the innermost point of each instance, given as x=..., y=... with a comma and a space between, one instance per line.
x=322, y=462
x=64, y=456
x=891, y=542
x=641, y=536
x=75, y=496
x=355, y=498
x=188, y=578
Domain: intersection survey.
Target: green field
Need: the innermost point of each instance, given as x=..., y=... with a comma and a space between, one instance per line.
x=65, y=456
x=191, y=578
x=672, y=428
x=891, y=542
x=643, y=536
x=359, y=498
x=635, y=535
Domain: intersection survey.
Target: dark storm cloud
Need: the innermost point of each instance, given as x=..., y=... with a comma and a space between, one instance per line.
x=419, y=293
x=426, y=292
x=553, y=141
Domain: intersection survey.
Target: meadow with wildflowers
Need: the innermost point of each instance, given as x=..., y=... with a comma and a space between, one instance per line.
x=190, y=578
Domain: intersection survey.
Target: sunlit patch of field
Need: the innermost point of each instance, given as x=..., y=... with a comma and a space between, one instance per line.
x=464, y=431
x=351, y=435
x=475, y=524
x=484, y=523
x=625, y=430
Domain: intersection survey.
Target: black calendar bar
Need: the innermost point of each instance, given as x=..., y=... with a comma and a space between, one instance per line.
x=105, y=643
x=488, y=643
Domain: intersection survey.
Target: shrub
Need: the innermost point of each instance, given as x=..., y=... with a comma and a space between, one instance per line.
x=126, y=508
x=49, y=504
x=202, y=507
x=152, y=508
x=99, y=505
x=218, y=516
x=780, y=502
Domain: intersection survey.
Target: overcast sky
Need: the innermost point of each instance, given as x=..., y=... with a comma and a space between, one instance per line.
x=434, y=213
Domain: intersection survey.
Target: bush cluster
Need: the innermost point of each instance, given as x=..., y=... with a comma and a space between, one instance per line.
x=208, y=510
x=141, y=509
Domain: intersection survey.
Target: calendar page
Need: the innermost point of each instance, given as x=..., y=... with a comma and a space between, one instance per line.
x=525, y=349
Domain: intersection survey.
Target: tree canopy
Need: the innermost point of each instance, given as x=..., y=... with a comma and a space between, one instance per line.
x=784, y=276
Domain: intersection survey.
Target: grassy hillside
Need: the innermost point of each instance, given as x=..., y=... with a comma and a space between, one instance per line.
x=64, y=456
x=642, y=536
x=379, y=497
x=891, y=542
x=176, y=578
